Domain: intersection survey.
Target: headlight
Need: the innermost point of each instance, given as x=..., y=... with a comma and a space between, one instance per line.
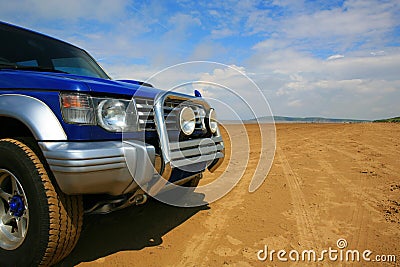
x=111, y=115
x=114, y=115
x=187, y=120
x=212, y=121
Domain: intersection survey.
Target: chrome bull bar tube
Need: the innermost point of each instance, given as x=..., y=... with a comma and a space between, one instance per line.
x=182, y=153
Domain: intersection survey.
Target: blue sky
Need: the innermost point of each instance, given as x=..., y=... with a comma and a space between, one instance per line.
x=309, y=58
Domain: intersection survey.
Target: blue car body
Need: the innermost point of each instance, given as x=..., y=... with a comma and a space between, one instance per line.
x=38, y=73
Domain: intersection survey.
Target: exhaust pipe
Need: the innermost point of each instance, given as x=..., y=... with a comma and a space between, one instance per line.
x=138, y=199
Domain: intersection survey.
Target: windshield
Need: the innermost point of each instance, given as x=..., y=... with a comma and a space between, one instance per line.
x=22, y=49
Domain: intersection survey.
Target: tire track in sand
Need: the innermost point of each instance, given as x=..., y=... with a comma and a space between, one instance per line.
x=361, y=197
x=361, y=200
x=305, y=223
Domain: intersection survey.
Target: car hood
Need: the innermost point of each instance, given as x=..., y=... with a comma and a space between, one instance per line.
x=32, y=80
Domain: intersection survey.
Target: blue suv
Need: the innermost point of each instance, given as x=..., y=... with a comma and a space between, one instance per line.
x=74, y=141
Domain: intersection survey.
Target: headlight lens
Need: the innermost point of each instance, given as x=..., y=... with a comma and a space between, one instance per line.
x=116, y=115
x=187, y=120
x=111, y=114
x=212, y=121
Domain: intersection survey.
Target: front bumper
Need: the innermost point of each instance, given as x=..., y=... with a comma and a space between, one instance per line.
x=109, y=167
x=99, y=167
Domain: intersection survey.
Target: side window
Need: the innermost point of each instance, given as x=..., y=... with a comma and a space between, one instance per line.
x=73, y=65
x=28, y=63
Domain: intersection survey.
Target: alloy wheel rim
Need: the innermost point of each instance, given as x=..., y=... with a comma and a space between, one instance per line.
x=14, y=212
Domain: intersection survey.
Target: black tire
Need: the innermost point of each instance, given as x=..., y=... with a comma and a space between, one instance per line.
x=55, y=219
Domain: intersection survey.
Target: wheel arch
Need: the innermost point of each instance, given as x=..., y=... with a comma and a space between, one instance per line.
x=30, y=117
x=13, y=128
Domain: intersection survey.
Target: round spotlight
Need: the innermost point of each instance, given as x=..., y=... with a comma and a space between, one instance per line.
x=187, y=120
x=212, y=121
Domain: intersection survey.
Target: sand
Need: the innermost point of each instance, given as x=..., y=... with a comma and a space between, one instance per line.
x=327, y=182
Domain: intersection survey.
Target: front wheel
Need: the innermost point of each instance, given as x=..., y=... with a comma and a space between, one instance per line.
x=39, y=225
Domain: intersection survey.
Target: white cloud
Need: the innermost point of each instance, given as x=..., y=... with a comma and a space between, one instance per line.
x=378, y=53
x=214, y=13
x=335, y=57
x=271, y=45
x=221, y=33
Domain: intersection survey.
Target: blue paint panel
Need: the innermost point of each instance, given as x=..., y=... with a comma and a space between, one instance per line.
x=18, y=79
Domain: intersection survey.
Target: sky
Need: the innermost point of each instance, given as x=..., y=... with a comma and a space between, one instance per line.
x=338, y=59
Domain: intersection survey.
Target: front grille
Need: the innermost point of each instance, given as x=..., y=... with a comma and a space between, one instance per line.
x=145, y=110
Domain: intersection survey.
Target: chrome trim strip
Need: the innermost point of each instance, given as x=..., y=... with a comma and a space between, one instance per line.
x=197, y=151
x=195, y=160
x=89, y=162
x=192, y=143
x=82, y=169
x=35, y=114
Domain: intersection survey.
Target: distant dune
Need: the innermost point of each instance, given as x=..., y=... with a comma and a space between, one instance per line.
x=395, y=119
